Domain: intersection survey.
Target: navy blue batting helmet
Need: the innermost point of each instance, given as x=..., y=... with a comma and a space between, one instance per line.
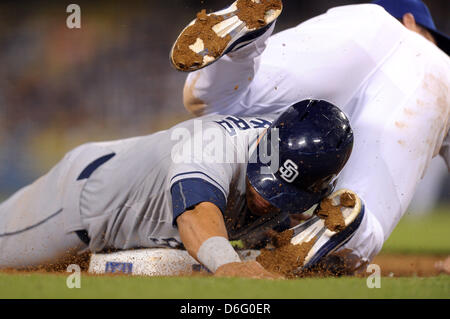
x=315, y=141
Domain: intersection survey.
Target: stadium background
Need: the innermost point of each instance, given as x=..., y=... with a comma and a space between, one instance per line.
x=110, y=79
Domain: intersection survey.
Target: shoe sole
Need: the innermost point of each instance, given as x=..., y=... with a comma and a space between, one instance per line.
x=327, y=241
x=240, y=35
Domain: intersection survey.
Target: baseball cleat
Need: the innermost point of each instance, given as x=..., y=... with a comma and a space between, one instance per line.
x=210, y=36
x=327, y=232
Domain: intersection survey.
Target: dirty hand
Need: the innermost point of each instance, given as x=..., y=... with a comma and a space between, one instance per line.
x=247, y=269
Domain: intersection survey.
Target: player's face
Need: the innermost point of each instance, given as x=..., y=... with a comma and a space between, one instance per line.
x=256, y=203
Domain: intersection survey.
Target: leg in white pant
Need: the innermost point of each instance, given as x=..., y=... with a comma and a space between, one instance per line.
x=223, y=80
x=427, y=194
x=398, y=130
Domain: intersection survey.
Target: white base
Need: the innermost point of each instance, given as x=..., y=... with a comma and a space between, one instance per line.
x=152, y=262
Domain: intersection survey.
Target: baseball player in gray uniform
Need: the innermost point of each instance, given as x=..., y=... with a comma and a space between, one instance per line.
x=196, y=185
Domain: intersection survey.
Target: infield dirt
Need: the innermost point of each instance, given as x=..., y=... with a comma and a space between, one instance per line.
x=391, y=265
x=286, y=258
x=397, y=265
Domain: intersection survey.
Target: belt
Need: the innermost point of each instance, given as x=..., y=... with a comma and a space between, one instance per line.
x=85, y=174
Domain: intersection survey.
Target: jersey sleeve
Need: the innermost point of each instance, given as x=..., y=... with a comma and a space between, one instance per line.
x=209, y=156
x=199, y=172
x=187, y=193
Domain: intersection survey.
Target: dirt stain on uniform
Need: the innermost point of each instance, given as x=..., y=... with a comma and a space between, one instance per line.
x=400, y=124
x=409, y=112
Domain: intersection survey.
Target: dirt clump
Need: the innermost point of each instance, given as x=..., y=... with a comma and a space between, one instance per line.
x=286, y=258
x=184, y=57
x=253, y=13
x=82, y=260
x=336, y=264
x=283, y=238
x=334, y=220
x=332, y=215
x=348, y=200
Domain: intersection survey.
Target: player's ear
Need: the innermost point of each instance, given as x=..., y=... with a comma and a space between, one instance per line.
x=409, y=22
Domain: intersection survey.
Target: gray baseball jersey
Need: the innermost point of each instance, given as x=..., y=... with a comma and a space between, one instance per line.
x=128, y=193
x=134, y=198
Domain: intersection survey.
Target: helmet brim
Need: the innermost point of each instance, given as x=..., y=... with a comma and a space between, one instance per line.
x=279, y=193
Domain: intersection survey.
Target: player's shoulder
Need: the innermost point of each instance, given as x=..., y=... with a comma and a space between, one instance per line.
x=427, y=55
x=360, y=11
x=363, y=18
x=367, y=25
x=435, y=55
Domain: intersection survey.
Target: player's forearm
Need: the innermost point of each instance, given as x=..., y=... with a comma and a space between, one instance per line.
x=204, y=235
x=199, y=224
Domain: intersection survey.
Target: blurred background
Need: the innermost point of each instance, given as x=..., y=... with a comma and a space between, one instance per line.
x=111, y=79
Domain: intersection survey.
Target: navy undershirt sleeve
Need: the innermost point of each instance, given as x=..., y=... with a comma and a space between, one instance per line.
x=187, y=193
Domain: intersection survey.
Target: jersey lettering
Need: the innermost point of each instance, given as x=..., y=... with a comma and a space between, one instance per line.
x=233, y=123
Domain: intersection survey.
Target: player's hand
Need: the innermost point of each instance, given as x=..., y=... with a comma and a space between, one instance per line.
x=247, y=269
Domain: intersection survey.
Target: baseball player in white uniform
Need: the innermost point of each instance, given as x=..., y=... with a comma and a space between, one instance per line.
x=389, y=76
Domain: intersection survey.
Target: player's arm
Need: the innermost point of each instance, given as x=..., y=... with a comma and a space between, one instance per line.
x=204, y=235
x=199, y=191
x=199, y=224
